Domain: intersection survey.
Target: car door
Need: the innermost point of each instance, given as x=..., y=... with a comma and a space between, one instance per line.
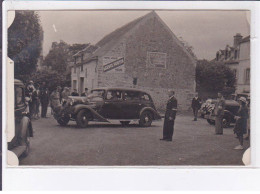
x=112, y=107
x=132, y=104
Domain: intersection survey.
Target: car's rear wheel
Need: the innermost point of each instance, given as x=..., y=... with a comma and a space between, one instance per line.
x=211, y=122
x=146, y=119
x=63, y=121
x=226, y=122
x=82, y=119
x=125, y=123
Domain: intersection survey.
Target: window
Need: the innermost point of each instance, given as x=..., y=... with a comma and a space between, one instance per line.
x=235, y=72
x=75, y=68
x=145, y=97
x=81, y=67
x=114, y=95
x=131, y=95
x=247, y=76
x=19, y=96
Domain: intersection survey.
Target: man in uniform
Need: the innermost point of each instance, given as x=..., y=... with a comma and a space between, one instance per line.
x=170, y=114
x=219, y=112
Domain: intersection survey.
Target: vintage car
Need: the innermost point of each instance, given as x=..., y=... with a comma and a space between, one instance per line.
x=230, y=112
x=105, y=104
x=20, y=144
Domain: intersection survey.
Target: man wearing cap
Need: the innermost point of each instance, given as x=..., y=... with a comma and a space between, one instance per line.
x=219, y=112
x=170, y=114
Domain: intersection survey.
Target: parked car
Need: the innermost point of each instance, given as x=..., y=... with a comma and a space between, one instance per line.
x=230, y=112
x=20, y=144
x=207, y=107
x=106, y=104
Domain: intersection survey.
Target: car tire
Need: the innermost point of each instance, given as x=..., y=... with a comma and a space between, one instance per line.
x=63, y=121
x=26, y=142
x=125, y=123
x=226, y=122
x=211, y=122
x=83, y=118
x=146, y=119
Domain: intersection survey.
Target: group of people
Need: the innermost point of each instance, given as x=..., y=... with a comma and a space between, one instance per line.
x=39, y=95
x=242, y=125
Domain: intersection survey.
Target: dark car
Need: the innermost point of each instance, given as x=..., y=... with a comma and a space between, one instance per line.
x=230, y=112
x=106, y=104
x=20, y=144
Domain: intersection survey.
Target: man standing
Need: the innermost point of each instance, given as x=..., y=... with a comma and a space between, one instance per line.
x=219, y=112
x=195, y=105
x=44, y=96
x=36, y=100
x=75, y=93
x=170, y=114
x=85, y=93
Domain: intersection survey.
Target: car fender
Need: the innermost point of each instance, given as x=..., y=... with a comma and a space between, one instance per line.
x=95, y=114
x=26, y=125
x=155, y=113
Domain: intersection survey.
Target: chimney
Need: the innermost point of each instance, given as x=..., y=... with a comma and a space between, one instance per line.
x=237, y=38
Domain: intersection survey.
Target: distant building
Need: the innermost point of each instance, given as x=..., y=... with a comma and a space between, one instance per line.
x=237, y=58
x=144, y=54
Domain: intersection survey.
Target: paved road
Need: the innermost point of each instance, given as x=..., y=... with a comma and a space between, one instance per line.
x=194, y=143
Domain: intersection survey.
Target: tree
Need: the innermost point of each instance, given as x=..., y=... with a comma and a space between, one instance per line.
x=214, y=77
x=51, y=78
x=25, y=37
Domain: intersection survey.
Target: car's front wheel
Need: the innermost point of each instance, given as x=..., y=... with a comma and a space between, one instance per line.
x=146, y=119
x=63, y=121
x=211, y=122
x=83, y=118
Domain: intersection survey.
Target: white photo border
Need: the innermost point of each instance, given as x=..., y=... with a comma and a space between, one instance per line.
x=148, y=178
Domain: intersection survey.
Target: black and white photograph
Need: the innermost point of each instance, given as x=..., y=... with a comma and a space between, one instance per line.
x=130, y=87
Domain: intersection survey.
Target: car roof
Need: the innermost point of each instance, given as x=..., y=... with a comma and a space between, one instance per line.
x=118, y=88
x=18, y=82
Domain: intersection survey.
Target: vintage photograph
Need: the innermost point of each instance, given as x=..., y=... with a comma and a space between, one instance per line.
x=130, y=87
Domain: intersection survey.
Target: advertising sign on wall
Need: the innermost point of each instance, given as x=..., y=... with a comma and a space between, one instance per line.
x=113, y=64
x=156, y=59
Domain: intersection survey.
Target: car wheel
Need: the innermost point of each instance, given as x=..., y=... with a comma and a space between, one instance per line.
x=26, y=142
x=211, y=122
x=125, y=123
x=83, y=118
x=146, y=119
x=226, y=122
x=63, y=121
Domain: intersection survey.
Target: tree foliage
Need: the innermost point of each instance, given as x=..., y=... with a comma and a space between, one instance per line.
x=25, y=37
x=51, y=78
x=214, y=77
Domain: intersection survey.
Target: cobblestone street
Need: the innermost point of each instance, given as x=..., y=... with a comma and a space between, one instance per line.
x=194, y=143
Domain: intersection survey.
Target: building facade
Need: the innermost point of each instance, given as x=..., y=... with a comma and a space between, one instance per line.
x=237, y=58
x=144, y=54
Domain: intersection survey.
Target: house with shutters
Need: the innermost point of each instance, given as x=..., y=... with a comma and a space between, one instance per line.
x=237, y=58
x=143, y=54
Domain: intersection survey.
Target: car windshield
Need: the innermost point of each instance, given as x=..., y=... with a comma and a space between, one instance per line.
x=96, y=93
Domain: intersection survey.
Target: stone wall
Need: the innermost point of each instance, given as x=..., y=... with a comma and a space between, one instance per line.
x=151, y=36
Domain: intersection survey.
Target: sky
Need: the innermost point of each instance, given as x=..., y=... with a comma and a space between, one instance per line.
x=205, y=31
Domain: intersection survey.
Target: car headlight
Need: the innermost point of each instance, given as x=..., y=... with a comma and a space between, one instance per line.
x=71, y=102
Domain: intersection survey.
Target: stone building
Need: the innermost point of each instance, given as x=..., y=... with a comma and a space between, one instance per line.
x=237, y=57
x=144, y=54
